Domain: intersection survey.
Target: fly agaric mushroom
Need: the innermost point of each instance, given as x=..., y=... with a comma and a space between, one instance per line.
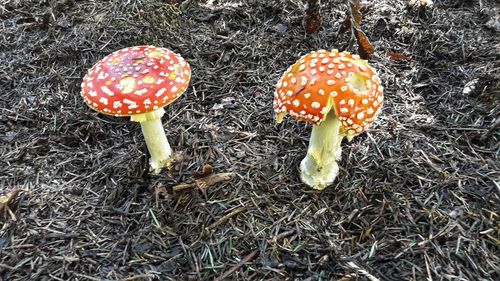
x=138, y=82
x=338, y=93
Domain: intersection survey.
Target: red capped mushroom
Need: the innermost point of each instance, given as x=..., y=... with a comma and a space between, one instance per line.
x=138, y=82
x=338, y=93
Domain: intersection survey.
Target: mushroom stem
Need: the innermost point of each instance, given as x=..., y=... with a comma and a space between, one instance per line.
x=156, y=140
x=319, y=168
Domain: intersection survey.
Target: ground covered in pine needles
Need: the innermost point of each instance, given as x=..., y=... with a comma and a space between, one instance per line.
x=417, y=196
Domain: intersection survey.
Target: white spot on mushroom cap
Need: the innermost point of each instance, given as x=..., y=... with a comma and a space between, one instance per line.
x=107, y=91
x=315, y=104
x=160, y=92
x=102, y=75
x=303, y=80
x=141, y=92
x=103, y=100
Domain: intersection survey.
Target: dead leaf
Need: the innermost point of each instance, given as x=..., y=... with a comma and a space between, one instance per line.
x=312, y=21
x=365, y=48
x=346, y=25
x=312, y=17
x=353, y=21
x=8, y=198
x=356, y=13
x=398, y=57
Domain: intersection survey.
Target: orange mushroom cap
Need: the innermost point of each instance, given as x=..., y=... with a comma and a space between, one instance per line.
x=135, y=80
x=322, y=80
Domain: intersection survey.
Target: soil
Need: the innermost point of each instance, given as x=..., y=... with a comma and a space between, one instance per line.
x=416, y=199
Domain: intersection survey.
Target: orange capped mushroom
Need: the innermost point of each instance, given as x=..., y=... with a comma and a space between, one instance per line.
x=340, y=94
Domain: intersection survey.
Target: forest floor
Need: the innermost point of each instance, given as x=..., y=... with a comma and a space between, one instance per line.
x=417, y=196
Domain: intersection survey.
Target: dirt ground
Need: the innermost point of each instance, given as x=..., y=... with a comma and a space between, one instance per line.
x=417, y=196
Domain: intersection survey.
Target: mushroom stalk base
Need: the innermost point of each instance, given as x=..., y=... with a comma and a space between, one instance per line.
x=319, y=168
x=156, y=140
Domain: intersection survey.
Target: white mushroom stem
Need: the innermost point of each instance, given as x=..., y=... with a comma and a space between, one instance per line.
x=156, y=140
x=319, y=168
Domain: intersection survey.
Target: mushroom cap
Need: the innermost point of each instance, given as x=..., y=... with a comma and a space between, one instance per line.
x=322, y=80
x=135, y=80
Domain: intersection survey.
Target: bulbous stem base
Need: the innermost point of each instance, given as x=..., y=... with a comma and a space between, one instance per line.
x=319, y=168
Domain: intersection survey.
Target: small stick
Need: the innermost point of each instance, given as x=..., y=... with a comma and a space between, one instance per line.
x=226, y=217
x=204, y=182
x=6, y=266
x=362, y=271
x=136, y=277
x=246, y=259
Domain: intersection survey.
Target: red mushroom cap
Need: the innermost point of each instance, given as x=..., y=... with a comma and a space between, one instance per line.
x=322, y=80
x=135, y=80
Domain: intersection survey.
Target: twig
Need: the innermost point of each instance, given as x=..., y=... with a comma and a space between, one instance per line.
x=226, y=217
x=138, y=277
x=362, y=271
x=246, y=259
x=204, y=182
x=6, y=266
